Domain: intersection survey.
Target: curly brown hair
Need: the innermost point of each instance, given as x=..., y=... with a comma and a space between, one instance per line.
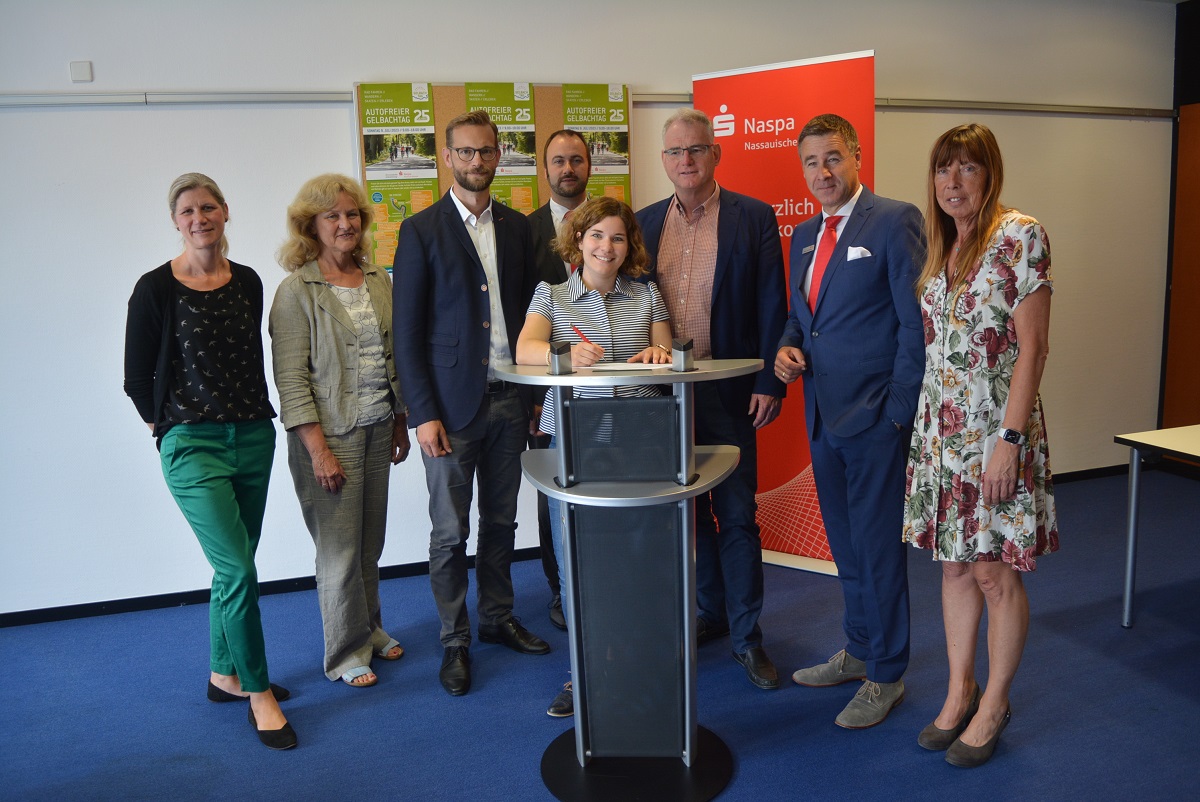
x=566, y=244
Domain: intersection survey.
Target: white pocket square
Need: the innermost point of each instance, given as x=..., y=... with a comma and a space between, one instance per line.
x=855, y=252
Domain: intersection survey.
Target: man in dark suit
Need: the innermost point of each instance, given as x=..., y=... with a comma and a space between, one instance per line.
x=719, y=265
x=854, y=333
x=568, y=167
x=463, y=278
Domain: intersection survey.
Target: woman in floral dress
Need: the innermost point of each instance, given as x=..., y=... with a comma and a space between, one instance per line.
x=979, y=488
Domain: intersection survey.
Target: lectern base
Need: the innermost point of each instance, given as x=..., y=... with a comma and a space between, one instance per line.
x=636, y=778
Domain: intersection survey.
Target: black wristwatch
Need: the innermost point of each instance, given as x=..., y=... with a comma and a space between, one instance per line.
x=1012, y=436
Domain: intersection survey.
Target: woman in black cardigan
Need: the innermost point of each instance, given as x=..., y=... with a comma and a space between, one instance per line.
x=194, y=369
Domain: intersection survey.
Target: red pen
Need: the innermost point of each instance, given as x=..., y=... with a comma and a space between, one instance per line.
x=582, y=336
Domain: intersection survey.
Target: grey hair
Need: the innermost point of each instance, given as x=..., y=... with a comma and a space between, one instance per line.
x=689, y=117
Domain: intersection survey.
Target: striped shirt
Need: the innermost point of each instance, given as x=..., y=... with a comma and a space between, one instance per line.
x=618, y=322
x=687, y=262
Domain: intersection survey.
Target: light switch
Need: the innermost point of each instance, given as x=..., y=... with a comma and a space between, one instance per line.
x=81, y=72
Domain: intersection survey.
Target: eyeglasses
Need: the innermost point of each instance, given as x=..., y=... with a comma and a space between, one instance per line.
x=695, y=151
x=467, y=154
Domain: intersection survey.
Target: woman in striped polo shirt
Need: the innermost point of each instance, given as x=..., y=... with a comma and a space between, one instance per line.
x=605, y=314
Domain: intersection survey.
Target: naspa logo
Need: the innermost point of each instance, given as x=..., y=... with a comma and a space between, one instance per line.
x=724, y=123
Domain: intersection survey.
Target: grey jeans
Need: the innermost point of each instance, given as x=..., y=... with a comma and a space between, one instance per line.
x=489, y=447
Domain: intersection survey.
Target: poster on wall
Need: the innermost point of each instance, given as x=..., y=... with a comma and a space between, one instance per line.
x=399, y=158
x=757, y=114
x=511, y=109
x=601, y=113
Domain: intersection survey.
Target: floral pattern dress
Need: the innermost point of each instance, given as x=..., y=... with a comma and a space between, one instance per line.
x=970, y=350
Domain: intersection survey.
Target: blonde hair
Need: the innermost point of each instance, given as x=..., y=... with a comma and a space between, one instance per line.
x=591, y=212
x=190, y=181
x=319, y=195
x=964, y=143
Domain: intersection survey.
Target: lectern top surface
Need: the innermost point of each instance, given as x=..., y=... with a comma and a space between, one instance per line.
x=706, y=370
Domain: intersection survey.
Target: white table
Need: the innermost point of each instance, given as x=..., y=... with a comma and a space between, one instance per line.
x=1182, y=442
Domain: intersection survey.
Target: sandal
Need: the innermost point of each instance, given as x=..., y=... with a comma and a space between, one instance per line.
x=385, y=652
x=351, y=677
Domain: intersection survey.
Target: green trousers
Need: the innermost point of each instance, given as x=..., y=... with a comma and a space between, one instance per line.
x=218, y=474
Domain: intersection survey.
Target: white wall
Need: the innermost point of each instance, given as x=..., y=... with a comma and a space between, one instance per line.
x=87, y=517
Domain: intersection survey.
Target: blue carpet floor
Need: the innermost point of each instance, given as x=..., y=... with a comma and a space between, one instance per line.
x=113, y=708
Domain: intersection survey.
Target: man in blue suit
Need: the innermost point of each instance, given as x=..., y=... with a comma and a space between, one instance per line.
x=854, y=333
x=463, y=277
x=719, y=265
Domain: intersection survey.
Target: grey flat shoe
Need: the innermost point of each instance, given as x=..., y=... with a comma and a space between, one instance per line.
x=935, y=739
x=842, y=667
x=871, y=705
x=969, y=757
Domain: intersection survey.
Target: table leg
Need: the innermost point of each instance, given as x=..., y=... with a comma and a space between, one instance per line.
x=1135, y=473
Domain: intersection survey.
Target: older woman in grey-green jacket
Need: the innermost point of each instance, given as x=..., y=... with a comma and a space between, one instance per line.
x=340, y=401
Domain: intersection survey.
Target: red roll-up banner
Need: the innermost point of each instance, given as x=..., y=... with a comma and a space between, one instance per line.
x=757, y=113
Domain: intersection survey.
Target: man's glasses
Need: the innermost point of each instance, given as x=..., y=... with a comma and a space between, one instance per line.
x=695, y=151
x=467, y=154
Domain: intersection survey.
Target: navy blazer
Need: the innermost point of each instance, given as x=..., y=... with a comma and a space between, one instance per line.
x=441, y=315
x=748, y=308
x=550, y=268
x=864, y=342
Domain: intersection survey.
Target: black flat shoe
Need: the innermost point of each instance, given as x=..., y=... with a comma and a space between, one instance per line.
x=935, y=739
x=215, y=694
x=706, y=632
x=282, y=738
x=969, y=757
x=563, y=705
x=556, y=613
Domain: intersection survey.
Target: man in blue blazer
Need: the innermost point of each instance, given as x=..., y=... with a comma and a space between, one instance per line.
x=718, y=261
x=463, y=277
x=854, y=333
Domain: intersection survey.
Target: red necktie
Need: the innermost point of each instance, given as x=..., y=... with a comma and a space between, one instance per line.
x=821, y=259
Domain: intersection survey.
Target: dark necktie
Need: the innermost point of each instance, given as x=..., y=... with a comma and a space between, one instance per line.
x=567, y=217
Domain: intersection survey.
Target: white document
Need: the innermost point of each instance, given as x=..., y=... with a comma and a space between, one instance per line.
x=618, y=367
